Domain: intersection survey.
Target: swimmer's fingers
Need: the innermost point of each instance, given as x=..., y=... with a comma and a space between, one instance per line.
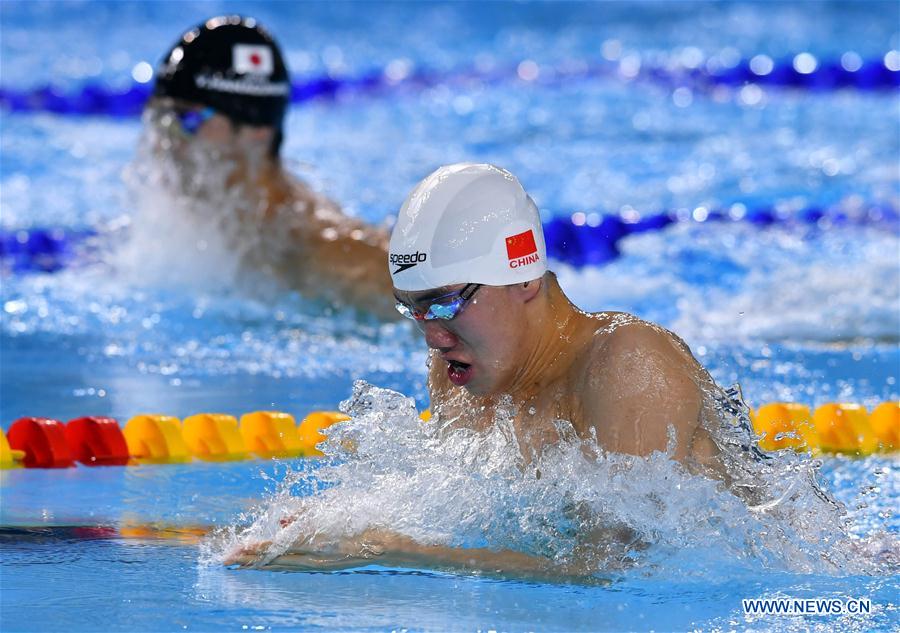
x=287, y=520
x=291, y=517
x=241, y=560
x=248, y=555
x=315, y=554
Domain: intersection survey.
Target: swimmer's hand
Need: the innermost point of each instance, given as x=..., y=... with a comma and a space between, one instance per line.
x=389, y=549
x=248, y=555
x=309, y=557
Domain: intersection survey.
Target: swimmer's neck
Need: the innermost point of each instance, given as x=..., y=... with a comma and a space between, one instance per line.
x=272, y=187
x=558, y=330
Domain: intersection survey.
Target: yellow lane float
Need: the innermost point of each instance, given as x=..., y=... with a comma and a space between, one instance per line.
x=271, y=434
x=9, y=458
x=844, y=428
x=311, y=427
x=784, y=425
x=885, y=423
x=214, y=437
x=156, y=439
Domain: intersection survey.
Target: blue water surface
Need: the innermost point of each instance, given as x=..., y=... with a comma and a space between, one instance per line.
x=791, y=312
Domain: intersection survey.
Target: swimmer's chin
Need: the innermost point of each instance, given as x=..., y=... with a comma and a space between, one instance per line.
x=477, y=388
x=469, y=377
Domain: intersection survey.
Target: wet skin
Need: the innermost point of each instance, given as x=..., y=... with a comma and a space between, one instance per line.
x=310, y=245
x=609, y=374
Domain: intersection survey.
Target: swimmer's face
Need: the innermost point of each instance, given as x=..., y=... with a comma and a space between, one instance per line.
x=221, y=132
x=192, y=125
x=482, y=345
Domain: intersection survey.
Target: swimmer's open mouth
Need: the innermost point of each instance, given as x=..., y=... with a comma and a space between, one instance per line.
x=459, y=372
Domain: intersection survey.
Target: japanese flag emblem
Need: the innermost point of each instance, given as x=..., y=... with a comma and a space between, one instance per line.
x=252, y=59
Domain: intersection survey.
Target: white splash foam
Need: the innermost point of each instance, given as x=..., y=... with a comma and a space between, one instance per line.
x=464, y=489
x=186, y=230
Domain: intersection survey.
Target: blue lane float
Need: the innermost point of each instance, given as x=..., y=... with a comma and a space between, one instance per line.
x=802, y=71
x=43, y=249
x=592, y=239
x=578, y=239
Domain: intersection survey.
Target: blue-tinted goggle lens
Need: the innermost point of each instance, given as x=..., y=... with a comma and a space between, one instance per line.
x=444, y=311
x=444, y=308
x=192, y=120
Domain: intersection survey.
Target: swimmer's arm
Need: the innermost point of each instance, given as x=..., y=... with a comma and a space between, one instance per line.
x=642, y=381
x=327, y=253
x=389, y=549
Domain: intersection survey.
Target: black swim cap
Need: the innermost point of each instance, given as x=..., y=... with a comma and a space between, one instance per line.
x=230, y=64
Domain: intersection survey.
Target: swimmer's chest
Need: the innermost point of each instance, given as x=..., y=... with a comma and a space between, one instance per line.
x=546, y=419
x=553, y=416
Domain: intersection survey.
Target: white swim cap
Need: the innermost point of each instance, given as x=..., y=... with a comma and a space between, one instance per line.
x=467, y=223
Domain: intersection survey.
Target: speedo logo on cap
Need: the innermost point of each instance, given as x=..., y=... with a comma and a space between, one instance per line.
x=252, y=59
x=405, y=261
x=521, y=249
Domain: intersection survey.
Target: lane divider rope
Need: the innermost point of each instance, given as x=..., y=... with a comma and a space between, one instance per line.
x=583, y=238
x=801, y=71
x=841, y=428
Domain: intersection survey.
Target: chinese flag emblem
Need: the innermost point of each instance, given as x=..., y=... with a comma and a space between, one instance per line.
x=520, y=245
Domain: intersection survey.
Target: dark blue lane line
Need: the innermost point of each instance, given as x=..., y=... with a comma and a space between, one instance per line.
x=806, y=74
x=47, y=249
x=579, y=239
x=592, y=239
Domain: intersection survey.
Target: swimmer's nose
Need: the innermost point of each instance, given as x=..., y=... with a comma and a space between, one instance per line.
x=252, y=134
x=439, y=337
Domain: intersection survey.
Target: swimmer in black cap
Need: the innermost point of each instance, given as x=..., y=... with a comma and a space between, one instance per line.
x=217, y=115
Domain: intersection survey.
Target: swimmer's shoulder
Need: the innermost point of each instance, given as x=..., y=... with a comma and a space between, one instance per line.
x=617, y=333
x=639, y=382
x=319, y=224
x=629, y=354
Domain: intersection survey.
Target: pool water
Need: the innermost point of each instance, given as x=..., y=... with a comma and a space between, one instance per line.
x=158, y=321
x=142, y=572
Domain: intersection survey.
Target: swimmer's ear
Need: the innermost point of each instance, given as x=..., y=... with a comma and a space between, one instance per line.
x=528, y=290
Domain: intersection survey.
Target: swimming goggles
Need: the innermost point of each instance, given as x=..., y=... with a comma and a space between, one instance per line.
x=445, y=307
x=192, y=120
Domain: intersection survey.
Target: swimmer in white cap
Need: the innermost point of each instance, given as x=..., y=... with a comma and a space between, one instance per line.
x=468, y=263
x=216, y=116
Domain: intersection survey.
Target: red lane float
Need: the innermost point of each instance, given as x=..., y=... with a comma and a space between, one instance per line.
x=43, y=441
x=97, y=441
